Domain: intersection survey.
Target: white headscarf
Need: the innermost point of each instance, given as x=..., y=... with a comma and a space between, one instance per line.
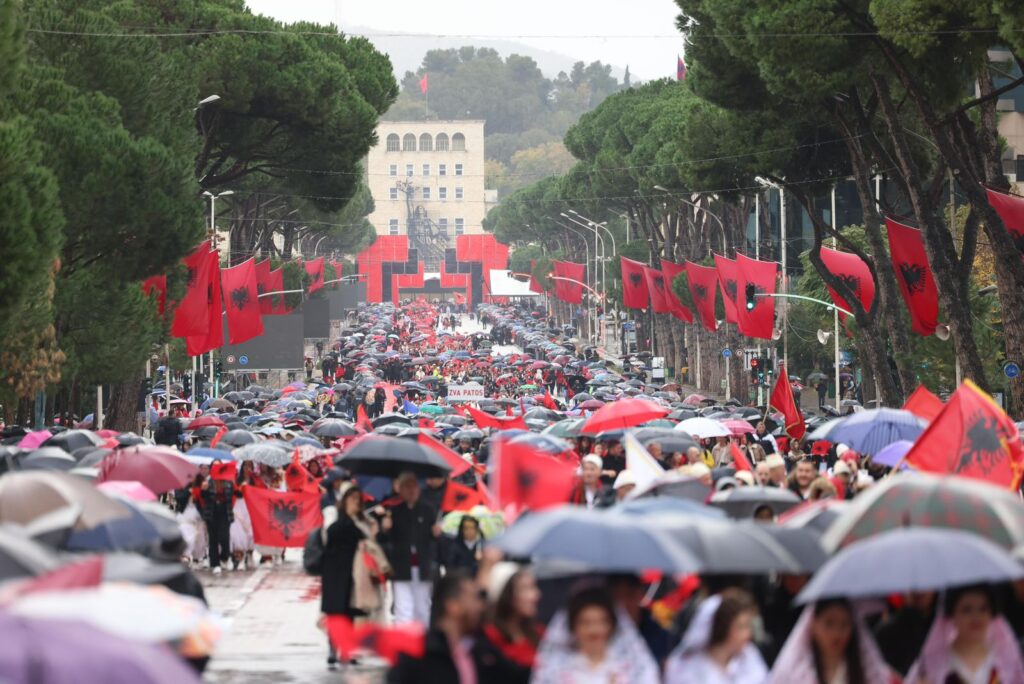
x=689, y=662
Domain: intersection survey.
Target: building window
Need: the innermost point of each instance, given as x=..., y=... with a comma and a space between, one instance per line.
x=441, y=142
x=426, y=143
x=393, y=193
x=442, y=169
x=458, y=193
x=442, y=225
x=442, y=193
x=460, y=226
x=408, y=170
x=393, y=169
x=458, y=169
x=409, y=143
x=393, y=143
x=426, y=193
x=392, y=226
x=426, y=169
x=458, y=143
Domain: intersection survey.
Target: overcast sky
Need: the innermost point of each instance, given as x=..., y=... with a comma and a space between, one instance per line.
x=640, y=34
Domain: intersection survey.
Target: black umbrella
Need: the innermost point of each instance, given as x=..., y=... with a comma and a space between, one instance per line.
x=332, y=427
x=48, y=458
x=389, y=418
x=239, y=438
x=743, y=502
x=390, y=456
x=671, y=441
x=675, y=485
x=130, y=439
x=70, y=440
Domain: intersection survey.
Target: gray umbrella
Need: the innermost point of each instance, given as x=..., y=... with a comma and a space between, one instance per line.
x=596, y=541
x=239, y=438
x=332, y=427
x=675, y=485
x=48, y=458
x=743, y=502
x=69, y=440
x=265, y=453
x=801, y=543
x=911, y=559
x=21, y=556
x=728, y=547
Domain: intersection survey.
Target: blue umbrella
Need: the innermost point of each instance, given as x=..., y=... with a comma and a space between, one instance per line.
x=911, y=559
x=596, y=541
x=893, y=454
x=121, y=534
x=870, y=431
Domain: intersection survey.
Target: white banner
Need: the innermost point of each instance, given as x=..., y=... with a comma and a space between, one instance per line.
x=469, y=392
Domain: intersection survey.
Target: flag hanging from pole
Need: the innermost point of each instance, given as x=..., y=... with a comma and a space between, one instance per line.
x=782, y=400
x=680, y=69
x=634, y=284
x=239, y=285
x=914, y=276
x=425, y=83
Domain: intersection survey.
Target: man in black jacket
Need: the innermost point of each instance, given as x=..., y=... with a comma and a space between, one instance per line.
x=218, y=513
x=409, y=535
x=455, y=615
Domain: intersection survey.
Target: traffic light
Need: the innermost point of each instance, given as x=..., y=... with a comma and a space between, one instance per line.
x=768, y=365
x=755, y=371
x=749, y=292
x=186, y=384
x=218, y=368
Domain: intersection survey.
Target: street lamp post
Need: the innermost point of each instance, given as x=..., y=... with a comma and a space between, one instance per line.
x=586, y=245
x=785, y=276
x=598, y=242
x=604, y=258
x=213, y=218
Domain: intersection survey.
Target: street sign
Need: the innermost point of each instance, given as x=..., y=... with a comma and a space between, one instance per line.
x=1011, y=369
x=231, y=358
x=658, y=368
x=243, y=360
x=471, y=391
x=726, y=353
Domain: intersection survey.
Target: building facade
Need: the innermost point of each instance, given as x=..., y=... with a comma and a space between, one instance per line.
x=427, y=182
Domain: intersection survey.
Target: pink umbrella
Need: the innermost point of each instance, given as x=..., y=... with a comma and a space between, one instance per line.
x=694, y=399
x=107, y=434
x=738, y=427
x=161, y=469
x=129, y=489
x=33, y=439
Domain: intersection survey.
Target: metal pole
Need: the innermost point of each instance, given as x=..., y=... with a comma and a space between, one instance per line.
x=757, y=255
x=835, y=311
x=700, y=369
x=213, y=221
x=192, y=399
x=167, y=377
x=785, y=280
x=98, y=422
x=952, y=226
x=213, y=390
x=728, y=380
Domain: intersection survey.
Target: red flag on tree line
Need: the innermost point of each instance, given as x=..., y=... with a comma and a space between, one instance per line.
x=315, y=270
x=854, y=273
x=726, y=269
x=678, y=309
x=425, y=83
x=459, y=497
x=917, y=285
x=158, y=284
x=971, y=437
x=566, y=290
x=534, y=285
x=526, y=478
x=703, y=284
x=782, y=400
x=239, y=285
x=263, y=285
x=458, y=464
x=923, y=404
x=282, y=518
x=758, y=321
x=191, y=317
x=1011, y=209
x=213, y=338
x=634, y=284
x=656, y=289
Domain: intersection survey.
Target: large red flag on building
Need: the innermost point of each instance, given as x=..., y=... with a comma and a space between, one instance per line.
x=634, y=284
x=567, y=290
x=241, y=296
x=760, y=276
x=923, y=404
x=1011, y=209
x=678, y=309
x=854, y=272
x=213, y=338
x=703, y=284
x=192, y=316
x=971, y=437
x=726, y=269
x=282, y=519
x=917, y=285
x=782, y=400
x=157, y=284
x=458, y=464
x=263, y=285
x=526, y=478
x=656, y=289
x=315, y=270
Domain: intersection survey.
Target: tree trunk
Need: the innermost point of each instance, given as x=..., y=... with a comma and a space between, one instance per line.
x=123, y=407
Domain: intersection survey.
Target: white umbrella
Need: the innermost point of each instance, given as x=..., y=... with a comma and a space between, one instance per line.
x=704, y=428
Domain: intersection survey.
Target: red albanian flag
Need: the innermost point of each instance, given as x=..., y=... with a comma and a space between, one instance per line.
x=671, y=271
x=214, y=336
x=192, y=316
x=917, y=285
x=264, y=285
x=276, y=284
x=703, y=284
x=242, y=297
x=226, y=471
x=425, y=83
x=923, y=404
x=782, y=400
x=158, y=284
x=739, y=459
x=656, y=289
x=458, y=464
x=458, y=497
x=760, y=275
x=567, y=290
x=315, y=270
x=297, y=478
x=1011, y=209
x=485, y=420
x=387, y=642
x=534, y=284
x=854, y=273
x=726, y=269
x=634, y=284
x=526, y=478
x=282, y=519
x=971, y=437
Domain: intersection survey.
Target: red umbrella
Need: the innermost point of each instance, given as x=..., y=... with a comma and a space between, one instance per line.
x=623, y=414
x=160, y=469
x=208, y=420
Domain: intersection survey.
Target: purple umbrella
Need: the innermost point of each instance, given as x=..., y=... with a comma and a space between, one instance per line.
x=892, y=454
x=46, y=651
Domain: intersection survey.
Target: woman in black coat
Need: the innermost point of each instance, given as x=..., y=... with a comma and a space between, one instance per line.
x=464, y=552
x=341, y=539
